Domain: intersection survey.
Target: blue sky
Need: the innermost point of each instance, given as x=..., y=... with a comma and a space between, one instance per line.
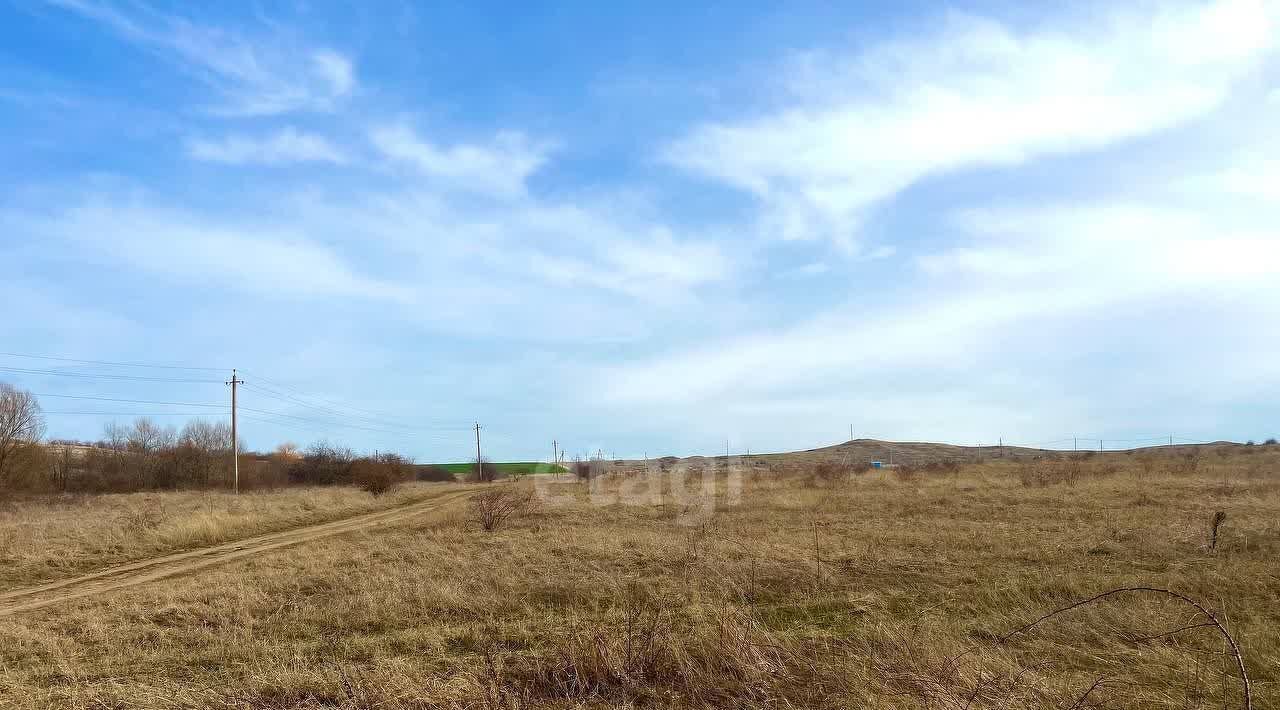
x=647, y=229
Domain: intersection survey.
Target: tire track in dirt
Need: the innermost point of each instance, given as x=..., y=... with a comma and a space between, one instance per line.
x=157, y=568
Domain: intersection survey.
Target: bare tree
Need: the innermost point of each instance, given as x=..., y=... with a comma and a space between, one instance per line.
x=62, y=467
x=207, y=436
x=147, y=437
x=204, y=448
x=21, y=425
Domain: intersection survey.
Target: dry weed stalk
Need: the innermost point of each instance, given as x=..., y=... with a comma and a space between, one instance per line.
x=1219, y=518
x=1234, y=652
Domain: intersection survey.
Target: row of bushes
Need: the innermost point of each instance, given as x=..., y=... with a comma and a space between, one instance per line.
x=325, y=465
x=145, y=456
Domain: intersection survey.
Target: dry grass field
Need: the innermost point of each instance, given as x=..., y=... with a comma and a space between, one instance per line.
x=48, y=538
x=885, y=589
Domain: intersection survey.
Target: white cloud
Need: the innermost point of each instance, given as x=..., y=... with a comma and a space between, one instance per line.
x=1117, y=249
x=501, y=166
x=285, y=146
x=336, y=69
x=815, y=268
x=986, y=322
x=255, y=76
x=538, y=249
x=861, y=129
x=193, y=249
x=1255, y=177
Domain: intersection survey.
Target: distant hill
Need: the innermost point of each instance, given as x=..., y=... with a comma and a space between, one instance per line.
x=908, y=452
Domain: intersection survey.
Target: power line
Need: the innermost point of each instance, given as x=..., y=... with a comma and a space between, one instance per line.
x=130, y=414
x=225, y=408
x=327, y=431
x=130, y=401
x=267, y=391
x=344, y=406
x=287, y=425
x=99, y=376
x=115, y=364
x=407, y=434
x=345, y=415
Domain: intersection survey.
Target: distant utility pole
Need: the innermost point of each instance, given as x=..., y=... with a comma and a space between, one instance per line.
x=1171, y=441
x=235, y=442
x=555, y=452
x=1099, y=445
x=479, y=464
x=850, y=432
x=1002, y=447
x=1075, y=443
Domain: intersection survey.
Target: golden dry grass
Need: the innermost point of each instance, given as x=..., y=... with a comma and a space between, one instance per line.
x=584, y=605
x=58, y=536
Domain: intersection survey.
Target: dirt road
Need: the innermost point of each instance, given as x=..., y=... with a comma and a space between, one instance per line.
x=156, y=568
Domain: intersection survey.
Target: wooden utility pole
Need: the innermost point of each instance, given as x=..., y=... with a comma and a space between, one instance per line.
x=235, y=441
x=555, y=452
x=479, y=463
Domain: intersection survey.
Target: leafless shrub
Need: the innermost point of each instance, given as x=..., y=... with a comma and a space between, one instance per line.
x=143, y=519
x=905, y=472
x=1147, y=465
x=435, y=473
x=486, y=472
x=323, y=464
x=1047, y=473
x=1189, y=464
x=587, y=470
x=948, y=466
x=382, y=473
x=1029, y=474
x=493, y=507
x=830, y=473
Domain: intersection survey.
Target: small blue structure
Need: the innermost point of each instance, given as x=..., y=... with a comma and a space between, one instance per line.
x=877, y=464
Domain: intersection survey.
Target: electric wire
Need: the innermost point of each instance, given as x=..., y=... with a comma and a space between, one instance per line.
x=104, y=376
x=115, y=364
